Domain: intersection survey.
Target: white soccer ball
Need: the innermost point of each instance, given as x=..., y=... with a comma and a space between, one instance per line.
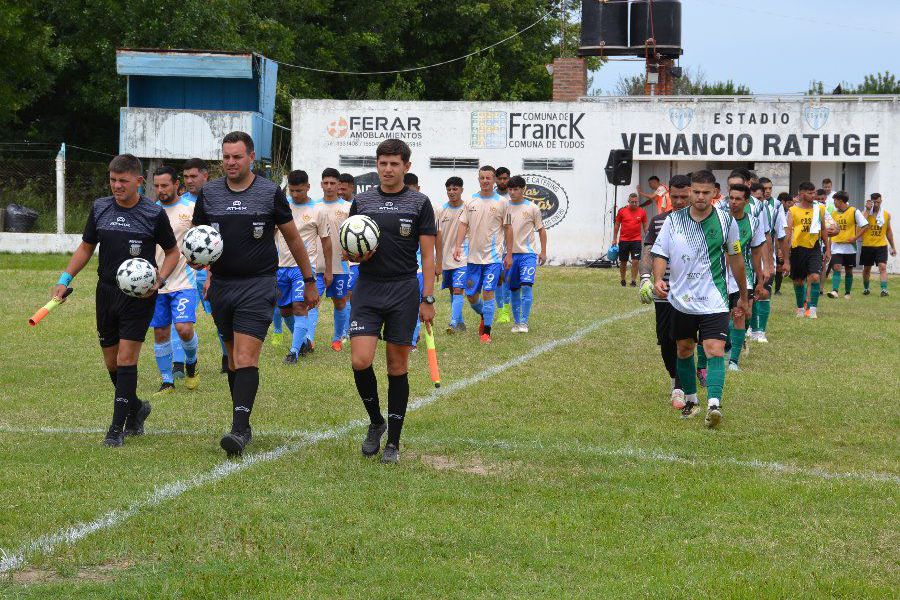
x=202, y=245
x=359, y=234
x=135, y=277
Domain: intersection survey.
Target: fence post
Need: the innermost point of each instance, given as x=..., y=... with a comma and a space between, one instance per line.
x=61, y=190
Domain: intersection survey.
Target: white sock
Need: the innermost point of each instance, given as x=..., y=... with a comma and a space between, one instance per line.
x=690, y=398
x=714, y=403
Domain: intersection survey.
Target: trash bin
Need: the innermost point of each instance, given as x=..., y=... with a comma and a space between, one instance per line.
x=19, y=219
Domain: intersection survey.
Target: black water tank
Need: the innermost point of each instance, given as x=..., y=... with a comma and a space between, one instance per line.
x=604, y=28
x=664, y=25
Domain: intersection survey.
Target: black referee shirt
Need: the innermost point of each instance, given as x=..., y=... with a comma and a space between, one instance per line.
x=247, y=221
x=653, y=229
x=402, y=217
x=124, y=233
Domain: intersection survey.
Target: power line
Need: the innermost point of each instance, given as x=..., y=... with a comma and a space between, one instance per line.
x=88, y=150
x=422, y=68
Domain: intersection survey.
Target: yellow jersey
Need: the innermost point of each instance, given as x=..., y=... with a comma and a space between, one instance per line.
x=875, y=235
x=801, y=219
x=847, y=222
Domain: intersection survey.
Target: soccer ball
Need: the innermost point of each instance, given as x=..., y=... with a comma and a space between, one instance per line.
x=359, y=234
x=202, y=245
x=135, y=277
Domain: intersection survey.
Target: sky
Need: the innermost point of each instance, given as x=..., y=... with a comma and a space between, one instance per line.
x=783, y=44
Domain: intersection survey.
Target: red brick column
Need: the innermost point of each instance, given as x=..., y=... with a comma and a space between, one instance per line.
x=569, y=79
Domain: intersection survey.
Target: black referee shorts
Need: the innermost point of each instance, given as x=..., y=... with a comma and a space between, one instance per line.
x=121, y=317
x=391, y=305
x=243, y=305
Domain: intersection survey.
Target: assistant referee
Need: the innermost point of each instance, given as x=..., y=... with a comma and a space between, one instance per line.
x=245, y=209
x=386, y=300
x=124, y=225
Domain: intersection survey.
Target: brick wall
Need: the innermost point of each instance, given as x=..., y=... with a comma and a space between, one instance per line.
x=569, y=79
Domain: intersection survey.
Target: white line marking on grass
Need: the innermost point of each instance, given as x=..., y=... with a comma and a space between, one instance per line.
x=666, y=457
x=48, y=543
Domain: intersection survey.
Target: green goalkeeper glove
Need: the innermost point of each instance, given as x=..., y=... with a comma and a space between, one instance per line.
x=646, y=291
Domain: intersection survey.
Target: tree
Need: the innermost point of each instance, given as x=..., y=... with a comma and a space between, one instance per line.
x=877, y=83
x=691, y=83
x=72, y=91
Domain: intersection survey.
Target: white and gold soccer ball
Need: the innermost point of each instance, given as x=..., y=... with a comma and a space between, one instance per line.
x=359, y=234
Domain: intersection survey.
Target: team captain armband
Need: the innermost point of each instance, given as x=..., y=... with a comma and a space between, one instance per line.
x=736, y=247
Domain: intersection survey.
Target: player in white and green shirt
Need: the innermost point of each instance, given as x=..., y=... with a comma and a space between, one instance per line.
x=696, y=243
x=753, y=243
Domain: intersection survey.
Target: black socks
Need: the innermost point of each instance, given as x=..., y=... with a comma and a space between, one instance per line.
x=669, y=356
x=243, y=394
x=126, y=394
x=398, y=398
x=112, y=377
x=231, y=382
x=367, y=387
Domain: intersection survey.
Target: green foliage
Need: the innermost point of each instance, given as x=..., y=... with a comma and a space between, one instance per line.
x=61, y=83
x=877, y=83
x=692, y=83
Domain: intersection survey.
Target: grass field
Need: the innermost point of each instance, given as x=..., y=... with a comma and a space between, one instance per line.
x=550, y=465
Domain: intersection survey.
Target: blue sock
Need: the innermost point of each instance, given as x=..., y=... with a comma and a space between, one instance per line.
x=347, y=322
x=313, y=320
x=507, y=293
x=190, y=349
x=516, y=302
x=341, y=321
x=289, y=322
x=276, y=320
x=456, y=309
x=300, y=327
x=478, y=307
x=163, y=354
x=527, y=301
x=416, y=332
x=488, y=313
x=498, y=299
x=177, y=350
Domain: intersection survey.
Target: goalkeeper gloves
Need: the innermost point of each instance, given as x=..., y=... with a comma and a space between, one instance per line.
x=646, y=290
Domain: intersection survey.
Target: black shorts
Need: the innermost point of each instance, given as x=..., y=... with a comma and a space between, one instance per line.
x=242, y=305
x=699, y=327
x=846, y=260
x=629, y=250
x=664, y=313
x=121, y=317
x=806, y=261
x=389, y=305
x=873, y=255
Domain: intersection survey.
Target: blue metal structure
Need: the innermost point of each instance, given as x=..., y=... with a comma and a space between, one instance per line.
x=210, y=86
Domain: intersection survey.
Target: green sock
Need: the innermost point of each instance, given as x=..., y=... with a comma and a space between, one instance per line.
x=765, y=307
x=884, y=285
x=754, y=317
x=737, y=344
x=715, y=377
x=835, y=281
x=800, y=293
x=865, y=284
x=701, y=358
x=684, y=367
x=814, y=290
x=848, y=283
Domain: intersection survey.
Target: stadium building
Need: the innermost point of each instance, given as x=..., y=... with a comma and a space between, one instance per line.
x=562, y=147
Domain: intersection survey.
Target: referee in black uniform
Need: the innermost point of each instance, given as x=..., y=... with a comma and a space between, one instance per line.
x=386, y=298
x=245, y=209
x=124, y=225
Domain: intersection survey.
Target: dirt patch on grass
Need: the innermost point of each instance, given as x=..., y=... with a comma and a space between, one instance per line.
x=472, y=464
x=103, y=572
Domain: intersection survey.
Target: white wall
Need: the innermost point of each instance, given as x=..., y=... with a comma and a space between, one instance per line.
x=686, y=132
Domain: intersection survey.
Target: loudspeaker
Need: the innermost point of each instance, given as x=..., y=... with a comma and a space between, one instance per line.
x=618, y=167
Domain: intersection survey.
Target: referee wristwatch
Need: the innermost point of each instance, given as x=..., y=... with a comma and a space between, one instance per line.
x=428, y=299
x=309, y=280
